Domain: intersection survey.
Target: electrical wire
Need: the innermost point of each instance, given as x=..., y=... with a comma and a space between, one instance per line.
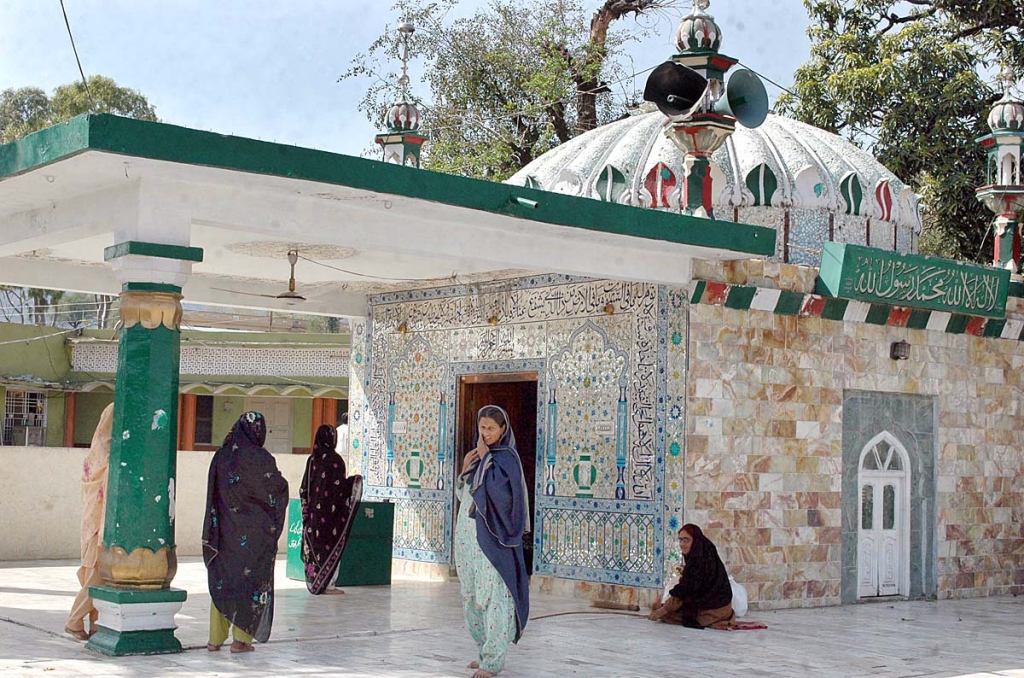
x=450, y=278
x=85, y=82
x=45, y=336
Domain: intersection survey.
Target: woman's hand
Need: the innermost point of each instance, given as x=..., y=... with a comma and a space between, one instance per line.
x=474, y=455
x=470, y=458
x=657, y=614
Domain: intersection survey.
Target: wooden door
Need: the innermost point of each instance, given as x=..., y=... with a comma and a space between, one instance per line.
x=517, y=395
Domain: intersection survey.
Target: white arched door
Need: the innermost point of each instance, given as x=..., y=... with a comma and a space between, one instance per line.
x=883, y=557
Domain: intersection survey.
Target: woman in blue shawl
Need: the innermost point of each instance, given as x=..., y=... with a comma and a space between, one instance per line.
x=245, y=505
x=493, y=517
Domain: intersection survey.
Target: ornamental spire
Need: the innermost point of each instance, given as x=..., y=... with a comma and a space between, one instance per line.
x=1003, y=192
x=402, y=142
x=405, y=30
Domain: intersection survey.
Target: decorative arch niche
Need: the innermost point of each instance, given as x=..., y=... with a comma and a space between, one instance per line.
x=762, y=183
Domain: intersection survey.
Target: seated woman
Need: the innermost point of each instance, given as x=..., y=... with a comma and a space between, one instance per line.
x=703, y=596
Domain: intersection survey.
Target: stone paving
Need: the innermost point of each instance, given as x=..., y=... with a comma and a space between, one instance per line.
x=415, y=630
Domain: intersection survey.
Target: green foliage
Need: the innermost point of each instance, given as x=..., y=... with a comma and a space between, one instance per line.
x=22, y=111
x=907, y=81
x=28, y=109
x=507, y=83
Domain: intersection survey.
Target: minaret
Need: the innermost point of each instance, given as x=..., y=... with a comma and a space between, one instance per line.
x=402, y=142
x=1004, y=192
x=702, y=129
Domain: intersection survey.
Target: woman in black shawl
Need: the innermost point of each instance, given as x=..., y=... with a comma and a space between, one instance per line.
x=246, y=500
x=703, y=596
x=329, y=500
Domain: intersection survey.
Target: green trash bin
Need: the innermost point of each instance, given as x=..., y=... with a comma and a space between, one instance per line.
x=367, y=557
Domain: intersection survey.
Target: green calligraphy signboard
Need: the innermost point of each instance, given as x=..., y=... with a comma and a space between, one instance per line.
x=883, y=277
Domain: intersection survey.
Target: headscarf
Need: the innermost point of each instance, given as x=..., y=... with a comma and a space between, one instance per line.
x=245, y=508
x=502, y=513
x=94, y=488
x=704, y=581
x=329, y=500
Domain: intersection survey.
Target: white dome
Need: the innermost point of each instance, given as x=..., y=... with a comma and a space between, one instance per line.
x=810, y=185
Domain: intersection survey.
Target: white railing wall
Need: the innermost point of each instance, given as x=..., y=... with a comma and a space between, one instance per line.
x=41, y=500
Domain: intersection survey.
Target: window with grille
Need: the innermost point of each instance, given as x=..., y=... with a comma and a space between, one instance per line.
x=25, y=418
x=204, y=420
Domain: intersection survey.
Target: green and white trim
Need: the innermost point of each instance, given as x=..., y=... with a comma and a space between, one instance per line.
x=136, y=621
x=782, y=302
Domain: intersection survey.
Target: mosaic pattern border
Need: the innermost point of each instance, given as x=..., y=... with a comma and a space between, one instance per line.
x=421, y=527
x=378, y=492
x=228, y=360
x=513, y=284
x=608, y=545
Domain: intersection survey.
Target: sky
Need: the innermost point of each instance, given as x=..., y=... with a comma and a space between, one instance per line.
x=268, y=69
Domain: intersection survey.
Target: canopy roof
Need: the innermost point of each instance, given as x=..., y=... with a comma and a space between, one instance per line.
x=361, y=226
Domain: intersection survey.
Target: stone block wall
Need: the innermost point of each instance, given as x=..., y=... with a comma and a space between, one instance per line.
x=764, y=445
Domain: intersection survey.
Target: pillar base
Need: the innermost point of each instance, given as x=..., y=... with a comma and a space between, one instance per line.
x=134, y=621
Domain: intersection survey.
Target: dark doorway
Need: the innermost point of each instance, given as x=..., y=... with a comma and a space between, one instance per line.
x=517, y=395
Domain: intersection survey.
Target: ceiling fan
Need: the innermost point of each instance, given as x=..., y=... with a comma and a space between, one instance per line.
x=291, y=294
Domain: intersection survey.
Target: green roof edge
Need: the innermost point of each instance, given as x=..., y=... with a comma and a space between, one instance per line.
x=171, y=143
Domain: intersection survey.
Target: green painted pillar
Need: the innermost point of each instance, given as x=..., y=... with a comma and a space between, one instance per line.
x=137, y=559
x=138, y=537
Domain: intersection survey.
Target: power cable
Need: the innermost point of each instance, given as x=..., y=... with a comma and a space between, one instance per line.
x=85, y=82
x=451, y=278
x=45, y=336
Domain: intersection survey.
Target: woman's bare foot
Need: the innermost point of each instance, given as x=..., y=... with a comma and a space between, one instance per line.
x=480, y=673
x=473, y=665
x=210, y=647
x=80, y=635
x=238, y=646
x=335, y=592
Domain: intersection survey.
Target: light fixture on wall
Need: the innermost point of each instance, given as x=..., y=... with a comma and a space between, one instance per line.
x=493, y=320
x=899, y=350
x=403, y=327
x=609, y=308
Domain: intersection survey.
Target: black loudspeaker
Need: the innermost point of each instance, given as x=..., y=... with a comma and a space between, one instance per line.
x=675, y=89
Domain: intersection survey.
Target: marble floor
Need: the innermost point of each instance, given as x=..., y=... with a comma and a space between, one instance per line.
x=415, y=629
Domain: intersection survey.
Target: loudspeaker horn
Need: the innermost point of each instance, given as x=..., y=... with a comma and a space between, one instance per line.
x=675, y=89
x=745, y=99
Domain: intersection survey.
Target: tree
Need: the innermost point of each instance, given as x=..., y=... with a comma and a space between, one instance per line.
x=906, y=79
x=27, y=110
x=508, y=83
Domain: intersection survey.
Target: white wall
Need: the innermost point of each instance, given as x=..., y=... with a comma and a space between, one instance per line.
x=41, y=500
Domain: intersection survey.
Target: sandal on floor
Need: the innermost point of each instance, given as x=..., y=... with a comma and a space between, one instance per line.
x=237, y=647
x=210, y=647
x=79, y=635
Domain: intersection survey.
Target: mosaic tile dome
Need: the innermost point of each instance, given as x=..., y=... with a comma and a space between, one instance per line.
x=808, y=184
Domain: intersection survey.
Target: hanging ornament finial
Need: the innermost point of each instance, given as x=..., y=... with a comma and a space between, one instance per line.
x=405, y=30
x=1007, y=77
